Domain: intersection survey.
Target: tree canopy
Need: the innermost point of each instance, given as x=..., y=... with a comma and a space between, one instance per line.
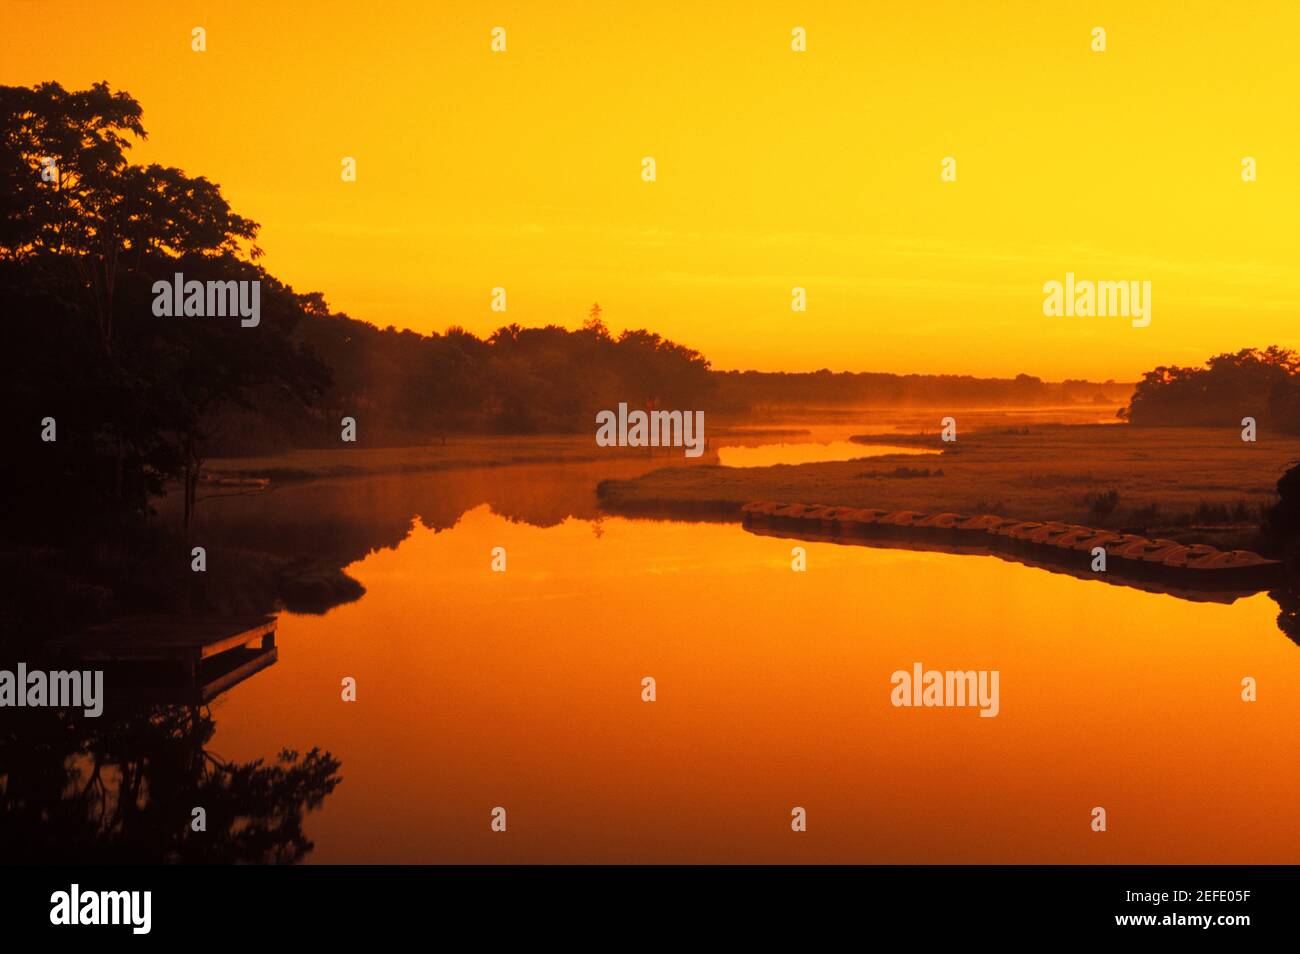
x=1261, y=384
x=140, y=401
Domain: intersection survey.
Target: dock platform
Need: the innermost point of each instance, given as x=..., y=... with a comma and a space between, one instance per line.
x=189, y=659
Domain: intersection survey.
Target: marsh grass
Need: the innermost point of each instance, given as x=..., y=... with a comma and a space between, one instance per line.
x=1171, y=480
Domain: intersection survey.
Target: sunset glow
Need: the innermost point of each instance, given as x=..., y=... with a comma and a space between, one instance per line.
x=775, y=169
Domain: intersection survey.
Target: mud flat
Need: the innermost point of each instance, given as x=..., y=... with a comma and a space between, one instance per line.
x=1191, y=485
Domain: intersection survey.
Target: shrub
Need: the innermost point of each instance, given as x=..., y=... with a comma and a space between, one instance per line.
x=1101, y=505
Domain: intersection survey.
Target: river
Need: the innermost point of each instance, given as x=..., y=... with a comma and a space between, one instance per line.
x=522, y=690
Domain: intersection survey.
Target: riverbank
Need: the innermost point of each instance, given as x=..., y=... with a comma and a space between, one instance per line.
x=457, y=453
x=1188, y=484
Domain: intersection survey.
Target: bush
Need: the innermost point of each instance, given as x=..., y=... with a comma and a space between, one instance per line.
x=1101, y=505
x=904, y=472
x=1281, y=522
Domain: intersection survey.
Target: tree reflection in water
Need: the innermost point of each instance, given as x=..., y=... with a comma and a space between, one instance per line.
x=1288, y=617
x=122, y=789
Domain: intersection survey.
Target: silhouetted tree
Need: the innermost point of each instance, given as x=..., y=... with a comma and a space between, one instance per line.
x=1263, y=384
x=83, y=236
x=1282, y=520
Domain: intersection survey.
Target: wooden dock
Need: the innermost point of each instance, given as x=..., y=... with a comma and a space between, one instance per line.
x=189, y=659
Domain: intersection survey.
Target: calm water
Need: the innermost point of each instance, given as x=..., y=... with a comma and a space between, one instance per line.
x=818, y=442
x=523, y=689
x=766, y=455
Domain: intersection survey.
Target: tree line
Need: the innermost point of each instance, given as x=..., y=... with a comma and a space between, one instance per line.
x=108, y=404
x=138, y=403
x=1259, y=384
x=752, y=390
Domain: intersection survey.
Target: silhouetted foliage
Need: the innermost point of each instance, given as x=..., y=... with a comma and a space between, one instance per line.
x=755, y=390
x=141, y=401
x=411, y=387
x=903, y=473
x=1264, y=385
x=1101, y=504
x=83, y=236
x=120, y=789
x=1282, y=520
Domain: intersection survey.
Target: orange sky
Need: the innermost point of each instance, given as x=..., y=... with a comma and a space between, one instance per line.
x=775, y=168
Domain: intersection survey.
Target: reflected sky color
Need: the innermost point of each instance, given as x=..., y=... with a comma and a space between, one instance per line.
x=809, y=453
x=478, y=689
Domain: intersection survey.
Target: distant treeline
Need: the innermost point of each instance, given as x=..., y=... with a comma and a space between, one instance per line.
x=107, y=401
x=413, y=387
x=1264, y=385
x=755, y=390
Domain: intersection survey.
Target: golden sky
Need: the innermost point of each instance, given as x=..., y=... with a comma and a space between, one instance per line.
x=775, y=169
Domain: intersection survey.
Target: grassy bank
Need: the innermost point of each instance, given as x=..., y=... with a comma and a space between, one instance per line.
x=354, y=461
x=457, y=452
x=1202, y=484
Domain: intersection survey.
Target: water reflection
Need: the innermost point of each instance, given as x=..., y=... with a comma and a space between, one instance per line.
x=1052, y=561
x=298, y=538
x=522, y=689
x=335, y=523
x=122, y=788
x=1288, y=617
x=766, y=455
